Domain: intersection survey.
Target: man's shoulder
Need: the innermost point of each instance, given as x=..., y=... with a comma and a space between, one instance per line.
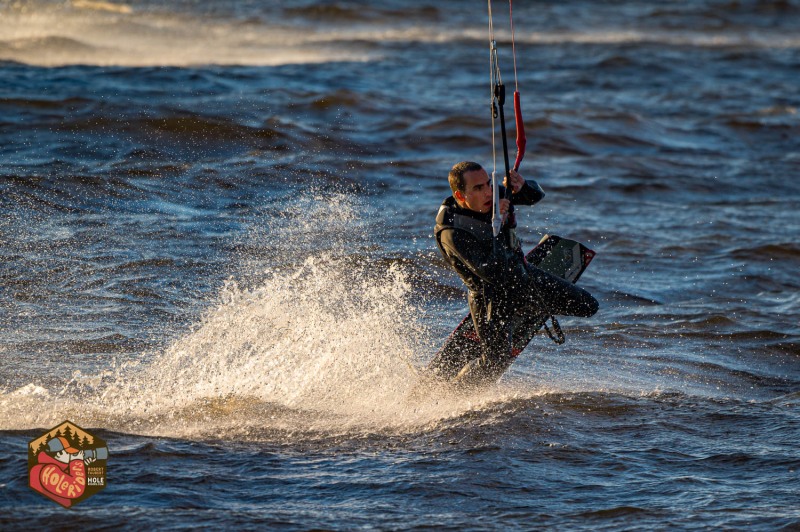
x=458, y=238
x=445, y=213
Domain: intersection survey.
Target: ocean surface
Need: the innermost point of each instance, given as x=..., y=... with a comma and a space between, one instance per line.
x=216, y=253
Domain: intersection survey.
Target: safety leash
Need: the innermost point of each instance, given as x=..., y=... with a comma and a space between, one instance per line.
x=559, y=337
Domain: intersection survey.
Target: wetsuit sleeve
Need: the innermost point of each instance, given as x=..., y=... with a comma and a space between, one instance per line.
x=530, y=194
x=489, y=263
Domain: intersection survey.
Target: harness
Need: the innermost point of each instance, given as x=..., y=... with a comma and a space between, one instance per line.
x=449, y=217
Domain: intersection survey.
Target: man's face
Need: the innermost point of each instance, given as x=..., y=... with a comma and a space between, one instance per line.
x=477, y=195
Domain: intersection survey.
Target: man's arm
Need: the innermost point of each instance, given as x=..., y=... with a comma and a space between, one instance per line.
x=524, y=192
x=530, y=194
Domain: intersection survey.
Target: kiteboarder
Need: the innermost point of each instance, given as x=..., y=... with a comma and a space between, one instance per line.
x=499, y=280
x=476, y=234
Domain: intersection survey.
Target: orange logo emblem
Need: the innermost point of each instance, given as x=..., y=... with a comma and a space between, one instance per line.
x=67, y=464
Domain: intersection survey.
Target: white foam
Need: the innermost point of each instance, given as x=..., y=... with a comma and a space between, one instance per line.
x=93, y=33
x=325, y=349
x=28, y=390
x=103, y=6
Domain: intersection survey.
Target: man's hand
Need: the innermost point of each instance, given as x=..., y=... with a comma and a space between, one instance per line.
x=504, y=204
x=517, y=182
x=76, y=456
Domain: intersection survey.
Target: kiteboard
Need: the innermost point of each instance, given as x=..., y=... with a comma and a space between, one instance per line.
x=559, y=256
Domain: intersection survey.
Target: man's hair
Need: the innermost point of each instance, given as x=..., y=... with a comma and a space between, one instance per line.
x=456, y=176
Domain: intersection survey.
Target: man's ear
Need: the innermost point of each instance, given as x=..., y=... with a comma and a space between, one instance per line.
x=459, y=196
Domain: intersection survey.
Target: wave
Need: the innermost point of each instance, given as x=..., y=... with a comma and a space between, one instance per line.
x=768, y=252
x=57, y=34
x=508, y=409
x=720, y=39
x=105, y=34
x=98, y=5
x=363, y=13
x=791, y=348
x=43, y=103
x=190, y=128
x=169, y=136
x=753, y=124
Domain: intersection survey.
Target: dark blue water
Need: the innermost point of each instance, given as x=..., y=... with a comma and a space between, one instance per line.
x=216, y=253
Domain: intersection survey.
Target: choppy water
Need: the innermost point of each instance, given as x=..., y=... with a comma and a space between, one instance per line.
x=216, y=250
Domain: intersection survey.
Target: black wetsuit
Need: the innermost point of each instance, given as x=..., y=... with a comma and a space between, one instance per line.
x=500, y=281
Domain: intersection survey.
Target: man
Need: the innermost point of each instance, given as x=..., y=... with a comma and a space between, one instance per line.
x=499, y=280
